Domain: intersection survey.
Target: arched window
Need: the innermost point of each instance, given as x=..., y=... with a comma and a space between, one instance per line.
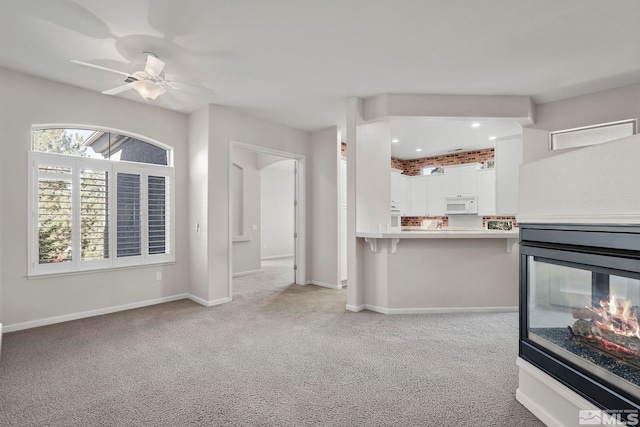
x=99, y=200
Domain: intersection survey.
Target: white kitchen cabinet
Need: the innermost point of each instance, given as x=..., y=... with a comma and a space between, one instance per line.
x=486, y=192
x=435, y=195
x=508, y=161
x=396, y=189
x=406, y=199
x=461, y=180
x=419, y=191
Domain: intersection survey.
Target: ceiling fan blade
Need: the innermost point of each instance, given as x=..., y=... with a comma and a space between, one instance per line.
x=154, y=66
x=117, y=90
x=198, y=90
x=98, y=67
x=172, y=101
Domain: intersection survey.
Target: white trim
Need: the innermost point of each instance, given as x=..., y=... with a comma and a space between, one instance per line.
x=323, y=284
x=277, y=256
x=206, y=303
x=537, y=410
x=246, y=273
x=578, y=218
x=246, y=238
x=142, y=138
x=564, y=395
x=90, y=313
x=107, y=310
x=355, y=308
x=439, y=310
x=301, y=224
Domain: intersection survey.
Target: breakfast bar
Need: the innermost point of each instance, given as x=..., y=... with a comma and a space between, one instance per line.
x=429, y=271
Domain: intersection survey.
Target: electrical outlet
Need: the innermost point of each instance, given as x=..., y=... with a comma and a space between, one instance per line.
x=159, y=275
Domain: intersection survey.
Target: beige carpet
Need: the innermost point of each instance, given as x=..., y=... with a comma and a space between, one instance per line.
x=278, y=355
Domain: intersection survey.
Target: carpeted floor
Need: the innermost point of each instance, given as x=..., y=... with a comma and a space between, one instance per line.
x=278, y=355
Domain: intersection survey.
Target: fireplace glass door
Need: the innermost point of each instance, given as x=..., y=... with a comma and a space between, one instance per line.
x=588, y=316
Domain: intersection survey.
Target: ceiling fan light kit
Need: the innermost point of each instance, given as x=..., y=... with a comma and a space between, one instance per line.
x=147, y=89
x=149, y=83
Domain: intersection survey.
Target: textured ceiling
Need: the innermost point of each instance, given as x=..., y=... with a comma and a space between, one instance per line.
x=295, y=61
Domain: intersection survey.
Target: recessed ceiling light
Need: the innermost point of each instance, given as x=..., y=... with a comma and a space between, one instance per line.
x=492, y=138
x=475, y=125
x=418, y=149
x=395, y=140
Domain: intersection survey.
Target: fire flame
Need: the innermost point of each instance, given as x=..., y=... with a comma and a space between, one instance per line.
x=617, y=317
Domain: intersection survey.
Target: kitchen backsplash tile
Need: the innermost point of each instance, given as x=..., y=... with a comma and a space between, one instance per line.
x=416, y=221
x=415, y=166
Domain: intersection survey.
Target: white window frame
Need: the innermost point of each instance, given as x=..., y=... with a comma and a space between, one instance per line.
x=112, y=167
x=592, y=134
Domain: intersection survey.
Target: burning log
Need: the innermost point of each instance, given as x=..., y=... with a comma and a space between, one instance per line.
x=590, y=333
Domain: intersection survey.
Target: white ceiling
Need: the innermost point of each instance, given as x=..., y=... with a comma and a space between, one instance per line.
x=440, y=136
x=295, y=62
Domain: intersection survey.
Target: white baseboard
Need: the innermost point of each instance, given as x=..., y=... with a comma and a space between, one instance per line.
x=355, y=308
x=245, y=273
x=90, y=313
x=206, y=303
x=277, y=256
x=106, y=310
x=323, y=284
x=444, y=310
x=549, y=400
x=437, y=310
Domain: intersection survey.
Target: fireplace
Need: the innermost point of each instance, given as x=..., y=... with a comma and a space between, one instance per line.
x=580, y=309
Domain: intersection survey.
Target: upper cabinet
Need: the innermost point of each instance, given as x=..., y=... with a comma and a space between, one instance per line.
x=461, y=180
x=418, y=185
x=487, y=192
x=435, y=193
x=400, y=192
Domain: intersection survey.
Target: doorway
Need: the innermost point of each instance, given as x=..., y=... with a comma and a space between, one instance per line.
x=277, y=214
x=260, y=228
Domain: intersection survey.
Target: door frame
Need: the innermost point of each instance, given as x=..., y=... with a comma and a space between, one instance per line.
x=300, y=211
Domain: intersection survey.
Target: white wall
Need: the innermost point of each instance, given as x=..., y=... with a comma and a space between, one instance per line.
x=198, y=203
x=26, y=101
x=601, y=107
x=325, y=216
x=373, y=177
x=246, y=254
x=594, y=184
x=277, y=210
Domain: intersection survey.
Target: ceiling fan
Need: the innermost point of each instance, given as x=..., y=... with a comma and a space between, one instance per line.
x=149, y=82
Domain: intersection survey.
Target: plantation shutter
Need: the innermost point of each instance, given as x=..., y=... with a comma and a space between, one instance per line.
x=129, y=232
x=94, y=214
x=158, y=214
x=54, y=214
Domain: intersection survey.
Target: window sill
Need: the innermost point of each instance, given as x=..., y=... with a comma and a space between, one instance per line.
x=35, y=276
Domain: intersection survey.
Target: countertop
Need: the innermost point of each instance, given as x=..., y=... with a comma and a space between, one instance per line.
x=443, y=234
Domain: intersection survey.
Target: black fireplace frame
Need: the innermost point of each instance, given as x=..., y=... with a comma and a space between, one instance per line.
x=603, y=249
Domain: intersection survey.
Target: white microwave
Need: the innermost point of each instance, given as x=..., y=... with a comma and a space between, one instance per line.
x=461, y=205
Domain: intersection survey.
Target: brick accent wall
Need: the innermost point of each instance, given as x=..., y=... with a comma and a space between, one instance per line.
x=414, y=167
x=397, y=164
x=416, y=221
